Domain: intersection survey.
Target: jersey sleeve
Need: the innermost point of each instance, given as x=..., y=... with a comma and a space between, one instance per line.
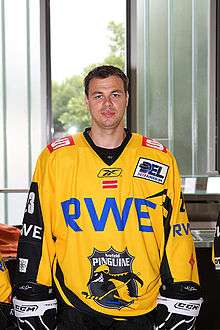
x=178, y=258
x=36, y=246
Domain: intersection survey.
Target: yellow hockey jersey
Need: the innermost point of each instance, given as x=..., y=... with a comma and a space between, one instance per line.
x=107, y=236
x=5, y=286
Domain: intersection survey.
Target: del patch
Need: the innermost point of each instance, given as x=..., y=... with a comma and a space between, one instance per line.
x=112, y=283
x=149, y=169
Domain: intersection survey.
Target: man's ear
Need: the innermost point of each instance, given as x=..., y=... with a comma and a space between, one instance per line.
x=127, y=99
x=86, y=101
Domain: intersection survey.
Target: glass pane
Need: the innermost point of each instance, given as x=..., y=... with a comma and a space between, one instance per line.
x=20, y=102
x=101, y=40
x=16, y=111
x=158, y=70
x=172, y=78
x=16, y=213
x=201, y=81
x=182, y=81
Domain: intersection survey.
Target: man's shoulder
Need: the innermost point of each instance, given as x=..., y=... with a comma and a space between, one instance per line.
x=63, y=142
x=147, y=142
x=153, y=144
x=66, y=143
x=59, y=148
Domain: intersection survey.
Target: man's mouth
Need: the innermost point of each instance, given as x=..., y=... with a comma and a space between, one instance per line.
x=108, y=113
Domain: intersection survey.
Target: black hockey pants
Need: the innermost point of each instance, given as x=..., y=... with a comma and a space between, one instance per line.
x=72, y=319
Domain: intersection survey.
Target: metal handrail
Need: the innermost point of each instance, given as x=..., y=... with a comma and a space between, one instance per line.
x=14, y=190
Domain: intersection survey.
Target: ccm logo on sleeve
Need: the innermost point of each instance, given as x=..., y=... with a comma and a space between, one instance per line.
x=151, y=170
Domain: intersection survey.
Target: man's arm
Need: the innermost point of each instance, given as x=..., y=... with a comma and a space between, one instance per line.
x=180, y=297
x=34, y=301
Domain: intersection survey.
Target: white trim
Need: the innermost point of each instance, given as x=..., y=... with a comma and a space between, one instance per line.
x=25, y=308
x=183, y=307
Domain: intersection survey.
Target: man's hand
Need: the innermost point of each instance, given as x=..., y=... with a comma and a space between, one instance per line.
x=47, y=321
x=169, y=320
x=178, y=306
x=35, y=307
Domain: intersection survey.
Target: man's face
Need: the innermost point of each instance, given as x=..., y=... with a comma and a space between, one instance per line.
x=107, y=101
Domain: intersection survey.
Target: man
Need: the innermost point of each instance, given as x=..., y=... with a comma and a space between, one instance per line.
x=7, y=319
x=105, y=225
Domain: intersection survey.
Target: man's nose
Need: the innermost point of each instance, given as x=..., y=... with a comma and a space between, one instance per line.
x=107, y=100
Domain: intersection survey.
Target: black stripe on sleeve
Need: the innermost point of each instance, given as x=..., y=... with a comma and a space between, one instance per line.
x=31, y=239
x=166, y=276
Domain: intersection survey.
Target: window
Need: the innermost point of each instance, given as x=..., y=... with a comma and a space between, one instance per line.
x=21, y=119
x=175, y=56
x=83, y=34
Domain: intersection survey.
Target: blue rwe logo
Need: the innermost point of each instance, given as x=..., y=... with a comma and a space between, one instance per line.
x=110, y=204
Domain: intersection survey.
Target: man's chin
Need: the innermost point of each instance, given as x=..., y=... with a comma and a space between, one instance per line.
x=110, y=125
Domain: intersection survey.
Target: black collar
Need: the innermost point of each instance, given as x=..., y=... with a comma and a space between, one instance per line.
x=109, y=156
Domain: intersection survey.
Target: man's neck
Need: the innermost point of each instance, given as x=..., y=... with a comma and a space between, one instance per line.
x=107, y=138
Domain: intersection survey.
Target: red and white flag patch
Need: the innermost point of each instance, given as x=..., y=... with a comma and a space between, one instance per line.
x=109, y=184
x=152, y=143
x=62, y=142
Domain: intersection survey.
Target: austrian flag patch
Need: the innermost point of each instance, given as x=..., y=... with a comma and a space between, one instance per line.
x=109, y=184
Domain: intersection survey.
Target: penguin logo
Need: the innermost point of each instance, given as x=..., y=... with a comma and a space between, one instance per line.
x=112, y=283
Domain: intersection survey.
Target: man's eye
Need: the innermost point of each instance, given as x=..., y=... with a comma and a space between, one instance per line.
x=115, y=94
x=97, y=97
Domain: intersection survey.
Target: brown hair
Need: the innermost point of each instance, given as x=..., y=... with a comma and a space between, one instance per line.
x=105, y=71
